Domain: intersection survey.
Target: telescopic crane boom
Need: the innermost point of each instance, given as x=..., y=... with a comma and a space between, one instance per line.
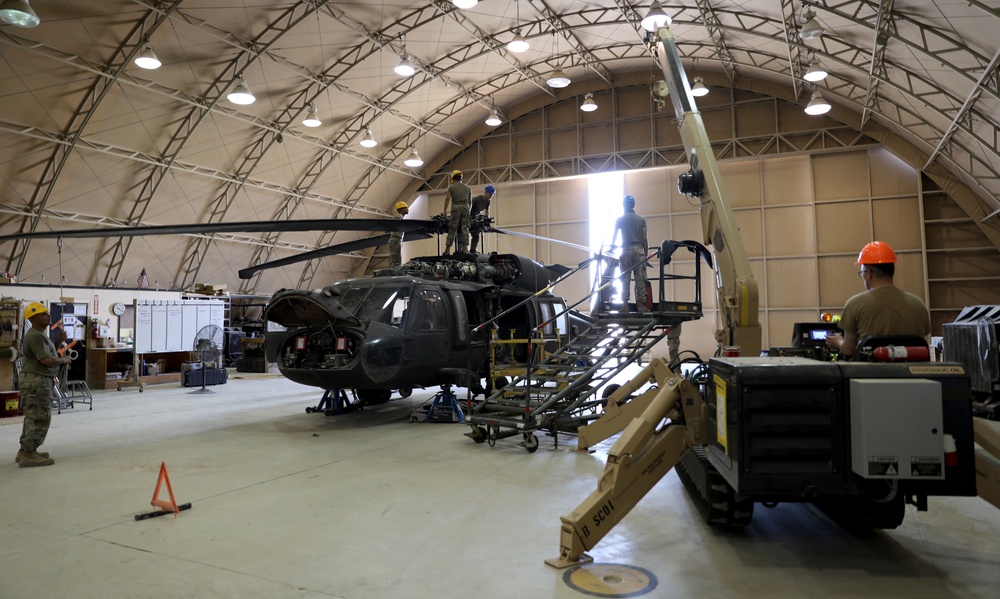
x=736, y=288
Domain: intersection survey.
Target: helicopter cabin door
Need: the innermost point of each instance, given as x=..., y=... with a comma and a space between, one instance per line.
x=461, y=329
x=428, y=337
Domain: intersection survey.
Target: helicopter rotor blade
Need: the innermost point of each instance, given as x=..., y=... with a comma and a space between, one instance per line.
x=267, y=226
x=541, y=238
x=340, y=248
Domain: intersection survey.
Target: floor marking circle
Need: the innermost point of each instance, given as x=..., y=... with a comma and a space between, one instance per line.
x=610, y=580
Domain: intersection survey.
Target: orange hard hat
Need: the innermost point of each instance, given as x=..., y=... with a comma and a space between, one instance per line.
x=876, y=252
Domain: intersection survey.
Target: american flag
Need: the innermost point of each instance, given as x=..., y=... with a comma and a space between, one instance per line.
x=142, y=281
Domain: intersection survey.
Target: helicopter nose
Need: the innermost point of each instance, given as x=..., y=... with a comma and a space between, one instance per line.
x=382, y=357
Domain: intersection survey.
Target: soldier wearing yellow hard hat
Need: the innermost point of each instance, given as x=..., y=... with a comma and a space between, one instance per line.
x=40, y=365
x=396, y=237
x=459, y=198
x=882, y=309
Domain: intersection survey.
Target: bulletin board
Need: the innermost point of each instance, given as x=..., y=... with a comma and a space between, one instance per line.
x=171, y=325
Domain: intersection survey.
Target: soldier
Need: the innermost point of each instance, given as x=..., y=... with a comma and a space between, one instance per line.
x=41, y=363
x=480, y=204
x=633, y=256
x=459, y=198
x=396, y=237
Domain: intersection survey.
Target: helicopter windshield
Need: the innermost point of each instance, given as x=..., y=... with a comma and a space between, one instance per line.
x=385, y=304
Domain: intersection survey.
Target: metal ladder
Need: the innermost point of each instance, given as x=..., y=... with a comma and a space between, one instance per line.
x=559, y=392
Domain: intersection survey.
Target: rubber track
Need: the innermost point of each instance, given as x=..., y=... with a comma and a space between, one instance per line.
x=717, y=503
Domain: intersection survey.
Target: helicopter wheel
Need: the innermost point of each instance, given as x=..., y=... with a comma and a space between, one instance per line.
x=530, y=442
x=310, y=410
x=405, y=392
x=477, y=434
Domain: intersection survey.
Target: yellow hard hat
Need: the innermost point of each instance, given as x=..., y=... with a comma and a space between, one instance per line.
x=34, y=309
x=401, y=205
x=456, y=173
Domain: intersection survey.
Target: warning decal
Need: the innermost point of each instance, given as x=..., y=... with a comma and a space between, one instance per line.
x=925, y=466
x=881, y=465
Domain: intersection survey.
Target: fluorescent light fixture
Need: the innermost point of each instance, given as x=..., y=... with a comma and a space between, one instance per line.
x=816, y=72
x=18, y=13
x=404, y=68
x=518, y=44
x=147, y=59
x=368, y=141
x=557, y=79
x=699, y=89
x=811, y=29
x=413, y=160
x=588, y=103
x=312, y=119
x=494, y=119
x=241, y=94
x=655, y=18
x=465, y=4
x=817, y=104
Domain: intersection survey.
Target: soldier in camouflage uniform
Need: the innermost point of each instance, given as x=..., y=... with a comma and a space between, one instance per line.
x=459, y=198
x=396, y=237
x=634, y=248
x=481, y=205
x=41, y=364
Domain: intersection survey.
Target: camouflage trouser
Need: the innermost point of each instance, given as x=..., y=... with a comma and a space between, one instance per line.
x=633, y=255
x=395, y=249
x=36, y=402
x=459, y=223
x=674, y=342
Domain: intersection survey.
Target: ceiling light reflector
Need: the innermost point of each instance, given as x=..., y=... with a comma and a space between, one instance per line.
x=465, y=4
x=494, y=119
x=518, y=44
x=655, y=18
x=413, y=160
x=588, y=103
x=699, y=89
x=817, y=104
x=18, y=13
x=147, y=59
x=811, y=29
x=368, y=141
x=312, y=119
x=404, y=68
x=816, y=72
x=558, y=79
x=241, y=94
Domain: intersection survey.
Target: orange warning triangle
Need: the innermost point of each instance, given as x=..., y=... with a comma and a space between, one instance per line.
x=168, y=506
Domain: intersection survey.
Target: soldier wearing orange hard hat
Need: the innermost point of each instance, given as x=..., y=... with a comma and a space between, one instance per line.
x=882, y=309
x=396, y=237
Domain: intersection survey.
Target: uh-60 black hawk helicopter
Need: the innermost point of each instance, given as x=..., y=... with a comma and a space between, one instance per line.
x=418, y=325
x=421, y=324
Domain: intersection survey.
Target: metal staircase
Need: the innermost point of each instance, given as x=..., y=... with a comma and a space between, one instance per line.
x=558, y=390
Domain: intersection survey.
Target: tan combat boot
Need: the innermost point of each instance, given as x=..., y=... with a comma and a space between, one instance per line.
x=34, y=458
x=20, y=454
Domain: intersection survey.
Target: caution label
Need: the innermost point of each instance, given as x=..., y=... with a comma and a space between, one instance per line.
x=883, y=465
x=943, y=369
x=720, y=412
x=929, y=466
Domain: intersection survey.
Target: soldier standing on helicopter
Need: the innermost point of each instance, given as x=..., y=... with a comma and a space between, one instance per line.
x=396, y=237
x=459, y=198
x=480, y=204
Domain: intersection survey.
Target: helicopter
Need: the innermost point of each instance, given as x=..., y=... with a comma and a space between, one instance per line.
x=416, y=325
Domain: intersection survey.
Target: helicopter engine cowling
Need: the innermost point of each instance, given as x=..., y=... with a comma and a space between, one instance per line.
x=519, y=271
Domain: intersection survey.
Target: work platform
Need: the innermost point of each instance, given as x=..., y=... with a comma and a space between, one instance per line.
x=556, y=388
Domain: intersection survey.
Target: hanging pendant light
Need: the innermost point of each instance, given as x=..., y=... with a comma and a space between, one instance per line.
x=816, y=72
x=557, y=79
x=404, y=68
x=518, y=44
x=413, y=160
x=241, y=94
x=699, y=89
x=312, y=119
x=655, y=18
x=817, y=104
x=465, y=4
x=588, y=103
x=494, y=119
x=811, y=29
x=147, y=59
x=368, y=141
x=18, y=13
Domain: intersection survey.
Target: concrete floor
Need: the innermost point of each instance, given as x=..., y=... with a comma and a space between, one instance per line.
x=366, y=505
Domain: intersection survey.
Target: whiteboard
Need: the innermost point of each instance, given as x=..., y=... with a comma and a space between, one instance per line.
x=171, y=325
